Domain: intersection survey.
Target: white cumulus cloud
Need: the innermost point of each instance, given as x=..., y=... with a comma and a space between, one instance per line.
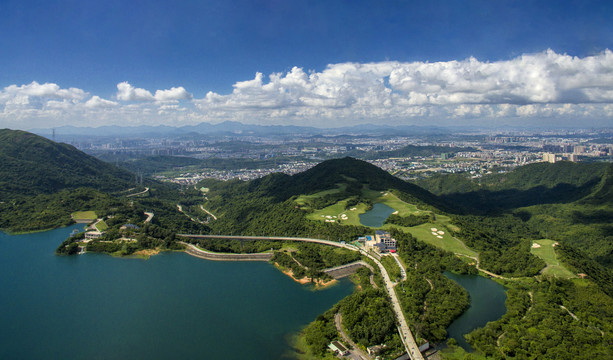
x=529, y=87
x=46, y=90
x=98, y=102
x=127, y=92
x=172, y=94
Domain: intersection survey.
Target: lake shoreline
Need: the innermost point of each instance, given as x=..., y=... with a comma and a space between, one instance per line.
x=319, y=284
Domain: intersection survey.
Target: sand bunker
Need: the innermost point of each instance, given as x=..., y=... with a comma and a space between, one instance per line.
x=438, y=236
x=435, y=234
x=536, y=246
x=441, y=232
x=433, y=229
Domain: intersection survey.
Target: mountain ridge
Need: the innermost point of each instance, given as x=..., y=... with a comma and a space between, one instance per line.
x=31, y=164
x=235, y=127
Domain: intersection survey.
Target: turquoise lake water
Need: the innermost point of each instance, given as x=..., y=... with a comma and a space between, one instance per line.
x=172, y=306
x=376, y=216
x=487, y=299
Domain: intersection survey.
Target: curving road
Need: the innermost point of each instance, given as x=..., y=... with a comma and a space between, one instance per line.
x=209, y=255
x=406, y=335
x=279, y=238
x=356, y=352
x=208, y=212
x=138, y=193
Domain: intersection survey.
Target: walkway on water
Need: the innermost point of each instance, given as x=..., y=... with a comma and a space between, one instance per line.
x=407, y=337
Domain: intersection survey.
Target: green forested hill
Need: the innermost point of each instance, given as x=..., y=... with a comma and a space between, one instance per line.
x=547, y=175
x=328, y=174
x=266, y=205
x=534, y=184
x=31, y=164
x=569, y=202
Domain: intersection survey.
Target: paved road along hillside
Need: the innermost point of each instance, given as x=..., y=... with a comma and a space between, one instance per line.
x=407, y=336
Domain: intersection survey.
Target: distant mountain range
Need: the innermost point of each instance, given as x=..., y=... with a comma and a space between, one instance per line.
x=237, y=128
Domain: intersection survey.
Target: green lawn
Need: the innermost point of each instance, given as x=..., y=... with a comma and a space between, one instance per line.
x=335, y=212
x=457, y=353
x=423, y=233
x=391, y=200
x=302, y=199
x=547, y=252
x=84, y=215
x=101, y=226
x=353, y=217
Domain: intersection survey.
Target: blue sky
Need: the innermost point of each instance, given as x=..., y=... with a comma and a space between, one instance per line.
x=171, y=62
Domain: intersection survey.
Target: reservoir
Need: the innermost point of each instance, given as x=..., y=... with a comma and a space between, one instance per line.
x=376, y=216
x=173, y=305
x=487, y=299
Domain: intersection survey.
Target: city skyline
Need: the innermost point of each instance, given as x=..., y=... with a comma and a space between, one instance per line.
x=318, y=64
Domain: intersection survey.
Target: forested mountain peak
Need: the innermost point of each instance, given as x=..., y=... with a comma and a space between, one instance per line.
x=547, y=175
x=31, y=164
x=329, y=174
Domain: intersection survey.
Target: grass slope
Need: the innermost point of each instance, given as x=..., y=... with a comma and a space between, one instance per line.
x=334, y=213
x=84, y=216
x=423, y=233
x=546, y=251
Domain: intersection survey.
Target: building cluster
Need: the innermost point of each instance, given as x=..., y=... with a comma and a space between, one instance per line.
x=381, y=243
x=190, y=178
x=480, y=152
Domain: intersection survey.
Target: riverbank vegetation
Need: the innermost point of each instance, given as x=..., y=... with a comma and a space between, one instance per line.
x=367, y=317
x=48, y=211
x=123, y=242
x=306, y=260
